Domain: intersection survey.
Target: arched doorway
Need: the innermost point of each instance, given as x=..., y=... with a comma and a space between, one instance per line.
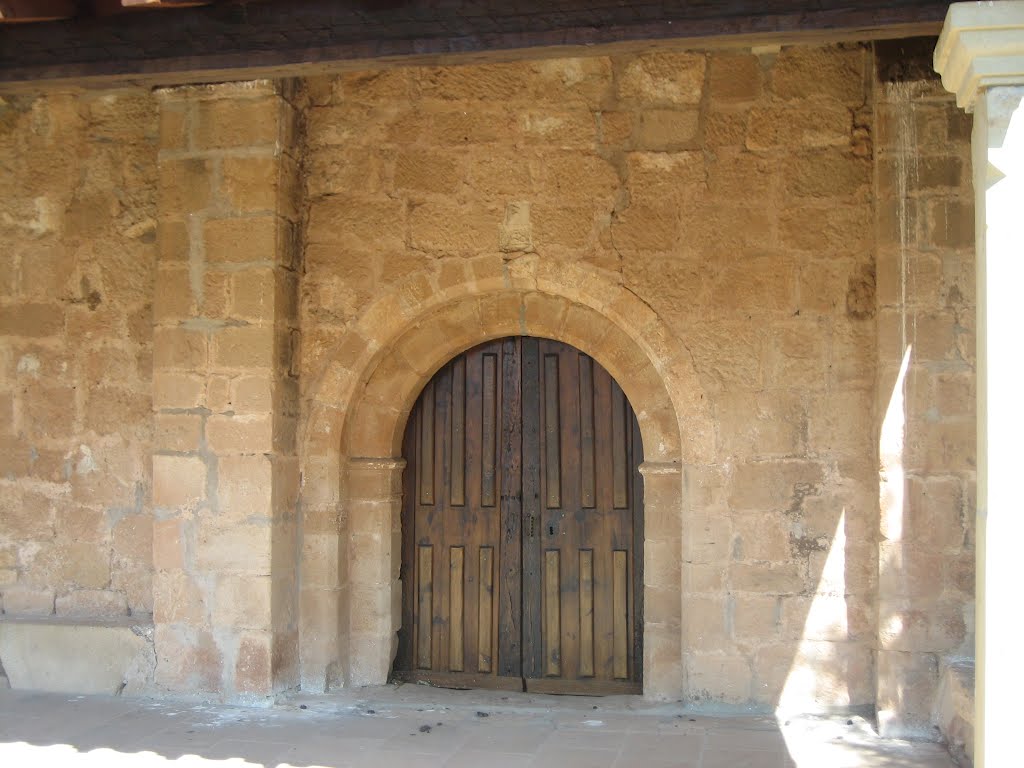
x=522, y=525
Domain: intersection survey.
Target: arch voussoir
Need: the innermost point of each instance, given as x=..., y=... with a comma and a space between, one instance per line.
x=405, y=337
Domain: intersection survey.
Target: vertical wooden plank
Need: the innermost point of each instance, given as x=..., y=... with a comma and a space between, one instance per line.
x=586, y=613
x=510, y=567
x=635, y=459
x=404, y=659
x=552, y=434
x=533, y=644
x=620, y=627
x=489, y=445
x=620, y=467
x=455, y=584
x=457, y=481
x=552, y=614
x=586, y=389
x=485, y=610
x=425, y=471
x=425, y=606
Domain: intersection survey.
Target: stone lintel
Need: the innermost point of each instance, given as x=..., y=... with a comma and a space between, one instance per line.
x=981, y=45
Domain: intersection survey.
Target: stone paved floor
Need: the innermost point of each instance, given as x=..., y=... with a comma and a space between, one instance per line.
x=413, y=726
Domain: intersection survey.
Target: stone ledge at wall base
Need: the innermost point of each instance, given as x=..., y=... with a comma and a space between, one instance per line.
x=954, y=709
x=74, y=656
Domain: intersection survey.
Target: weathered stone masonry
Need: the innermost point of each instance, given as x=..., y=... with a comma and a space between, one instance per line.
x=749, y=243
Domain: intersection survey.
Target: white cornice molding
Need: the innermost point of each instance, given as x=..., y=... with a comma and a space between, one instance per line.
x=981, y=45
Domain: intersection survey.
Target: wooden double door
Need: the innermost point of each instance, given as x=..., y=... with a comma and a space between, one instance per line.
x=522, y=525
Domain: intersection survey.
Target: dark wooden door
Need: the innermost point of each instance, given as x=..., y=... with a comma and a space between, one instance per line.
x=522, y=525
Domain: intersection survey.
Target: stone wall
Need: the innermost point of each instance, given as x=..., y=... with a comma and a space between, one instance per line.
x=77, y=195
x=750, y=243
x=732, y=195
x=926, y=395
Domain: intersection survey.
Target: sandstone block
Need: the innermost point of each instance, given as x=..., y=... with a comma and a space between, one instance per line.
x=667, y=130
x=661, y=563
x=187, y=660
x=34, y=320
x=173, y=390
x=239, y=548
x=243, y=347
x=654, y=177
x=718, y=677
x=827, y=174
x=808, y=124
x=132, y=539
x=178, y=481
x=836, y=73
x=173, y=135
x=27, y=516
x=444, y=125
x=92, y=603
x=358, y=222
x=173, y=300
x=77, y=522
x=564, y=129
x=240, y=434
x=178, y=599
x=705, y=621
x=245, y=487
x=242, y=602
x=906, y=688
x=78, y=658
x=179, y=348
x=500, y=173
x=116, y=410
x=431, y=228
x=658, y=79
x=177, y=431
x=168, y=544
x=252, y=394
x=734, y=77
x=252, y=184
x=570, y=226
x=646, y=228
x=20, y=600
x=725, y=128
x=253, y=664
x=184, y=186
x=426, y=171
x=248, y=239
x=779, y=486
x=782, y=579
x=758, y=536
x=237, y=122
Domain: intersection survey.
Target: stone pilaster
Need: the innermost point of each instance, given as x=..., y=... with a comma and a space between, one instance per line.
x=372, y=589
x=663, y=531
x=225, y=395
x=980, y=56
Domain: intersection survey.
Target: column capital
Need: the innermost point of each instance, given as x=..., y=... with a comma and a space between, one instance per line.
x=981, y=45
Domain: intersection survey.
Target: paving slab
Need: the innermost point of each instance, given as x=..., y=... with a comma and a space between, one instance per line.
x=411, y=726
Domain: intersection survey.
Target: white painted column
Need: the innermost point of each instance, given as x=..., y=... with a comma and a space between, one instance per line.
x=980, y=56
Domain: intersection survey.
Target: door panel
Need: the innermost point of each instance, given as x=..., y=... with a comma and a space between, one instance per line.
x=522, y=525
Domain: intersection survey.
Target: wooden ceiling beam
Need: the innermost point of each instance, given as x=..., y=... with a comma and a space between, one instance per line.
x=22, y=11
x=164, y=3
x=243, y=39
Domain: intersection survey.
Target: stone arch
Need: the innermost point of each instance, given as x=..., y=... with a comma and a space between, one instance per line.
x=357, y=412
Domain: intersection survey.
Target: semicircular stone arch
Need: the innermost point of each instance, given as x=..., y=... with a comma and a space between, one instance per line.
x=356, y=414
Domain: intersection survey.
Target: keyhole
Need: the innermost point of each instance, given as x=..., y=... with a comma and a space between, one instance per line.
x=551, y=530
